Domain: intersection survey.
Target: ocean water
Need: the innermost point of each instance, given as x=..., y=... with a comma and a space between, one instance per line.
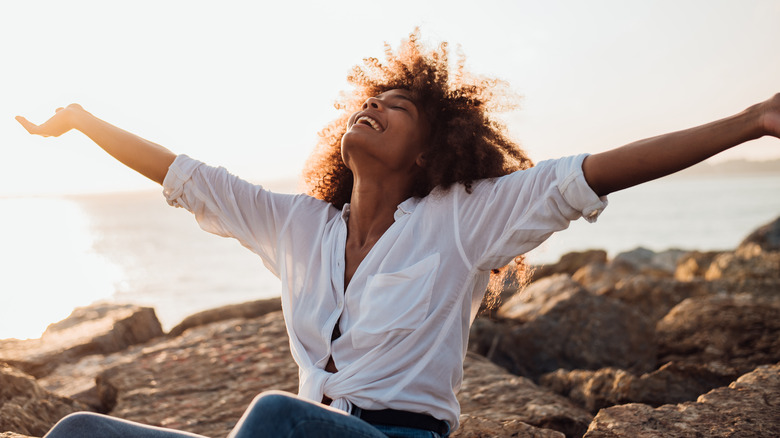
x=60, y=253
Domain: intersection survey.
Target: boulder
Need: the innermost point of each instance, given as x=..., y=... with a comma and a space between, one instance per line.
x=653, y=297
x=478, y=427
x=96, y=329
x=27, y=408
x=693, y=265
x=250, y=309
x=204, y=379
x=491, y=393
x=675, y=382
x=647, y=262
x=748, y=262
x=569, y=263
x=767, y=237
x=556, y=324
x=748, y=407
x=739, y=331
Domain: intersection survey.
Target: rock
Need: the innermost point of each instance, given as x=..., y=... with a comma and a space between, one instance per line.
x=97, y=329
x=597, y=277
x=556, y=323
x=674, y=382
x=748, y=262
x=694, y=265
x=27, y=408
x=767, y=237
x=645, y=261
x=493, y=395
x=251, y=309
x=477, y=427
x=653, y=297
x=748, y=407
x=569, y=264
x=738, y=331
x=592, y=390
x=203, y=380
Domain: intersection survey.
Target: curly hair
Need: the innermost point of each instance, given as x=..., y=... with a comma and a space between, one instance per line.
x=465, y=144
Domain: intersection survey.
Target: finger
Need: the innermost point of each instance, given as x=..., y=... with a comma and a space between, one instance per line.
x=32, y=128
x=59, y=109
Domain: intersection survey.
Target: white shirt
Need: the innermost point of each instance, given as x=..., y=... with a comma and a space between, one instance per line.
x=405, y=316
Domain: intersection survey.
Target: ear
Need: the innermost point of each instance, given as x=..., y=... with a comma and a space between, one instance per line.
x=422, y=160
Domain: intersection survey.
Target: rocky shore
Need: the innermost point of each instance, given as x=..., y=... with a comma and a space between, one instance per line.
x=672, y=344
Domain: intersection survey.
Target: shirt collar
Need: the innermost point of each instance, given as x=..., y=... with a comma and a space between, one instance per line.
x=404, y=208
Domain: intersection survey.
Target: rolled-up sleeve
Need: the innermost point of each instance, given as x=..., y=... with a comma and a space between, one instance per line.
x=228, y=206
x=513, y=214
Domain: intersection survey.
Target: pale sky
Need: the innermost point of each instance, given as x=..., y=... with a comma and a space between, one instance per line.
x=248, y=84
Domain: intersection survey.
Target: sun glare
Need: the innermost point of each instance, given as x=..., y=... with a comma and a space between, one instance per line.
x=49, y=266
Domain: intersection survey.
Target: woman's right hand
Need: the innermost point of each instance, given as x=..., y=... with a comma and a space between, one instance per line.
x=61, y=122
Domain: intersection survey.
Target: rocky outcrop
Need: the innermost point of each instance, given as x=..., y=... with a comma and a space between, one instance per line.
x=767, y=237
x=27, y=408
x=569, y=264
x=749, y=407
x=674, y=382
x=98, y=329
x=490, y=393
x=649, y=348
x=739, y=331
x=478, y=427
x=556, y=323
x=251, y=309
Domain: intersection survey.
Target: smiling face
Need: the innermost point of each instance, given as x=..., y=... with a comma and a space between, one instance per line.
x=387, y=135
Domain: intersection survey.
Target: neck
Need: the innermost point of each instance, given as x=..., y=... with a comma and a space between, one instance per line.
x=372, y=207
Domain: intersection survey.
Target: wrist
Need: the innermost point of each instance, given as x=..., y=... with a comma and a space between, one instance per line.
x=753, y=120
x=78, y=117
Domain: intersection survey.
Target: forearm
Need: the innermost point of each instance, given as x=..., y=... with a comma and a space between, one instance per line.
x=655, y=157
x=143, y=156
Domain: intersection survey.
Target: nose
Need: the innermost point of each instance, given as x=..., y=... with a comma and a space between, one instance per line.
x=372, y=102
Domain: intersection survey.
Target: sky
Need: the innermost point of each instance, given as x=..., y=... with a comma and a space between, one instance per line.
x=247, y=85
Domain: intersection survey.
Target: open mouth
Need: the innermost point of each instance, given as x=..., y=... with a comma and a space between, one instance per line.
x=368, y=121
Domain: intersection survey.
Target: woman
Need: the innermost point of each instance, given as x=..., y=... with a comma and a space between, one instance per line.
x=417, y=198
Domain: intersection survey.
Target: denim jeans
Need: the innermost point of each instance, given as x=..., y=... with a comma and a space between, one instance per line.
x=271, y=414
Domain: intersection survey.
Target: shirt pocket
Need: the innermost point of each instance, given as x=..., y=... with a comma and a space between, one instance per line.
x=394, y=303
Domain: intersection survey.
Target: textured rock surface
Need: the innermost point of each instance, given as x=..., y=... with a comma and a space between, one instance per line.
x=250, y=309
x=489, y=392
x=673, y=383
x=748, y=262
x=98, y=329
x=739, y=331
x=653, y=297
x=27, y=408
x=767, y=237
x=203, y=380
x=556, y=323
x=749, y=407
x=478, y=427
x=570, y=263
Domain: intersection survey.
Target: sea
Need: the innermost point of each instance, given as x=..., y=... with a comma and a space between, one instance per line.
x=58, y=253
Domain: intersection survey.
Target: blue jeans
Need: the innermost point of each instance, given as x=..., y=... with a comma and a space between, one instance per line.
x=271, y=414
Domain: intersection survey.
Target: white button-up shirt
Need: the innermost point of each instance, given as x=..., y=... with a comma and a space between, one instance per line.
x=405, y=316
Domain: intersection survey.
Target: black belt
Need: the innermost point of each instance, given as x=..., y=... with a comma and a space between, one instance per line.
x=392, y=417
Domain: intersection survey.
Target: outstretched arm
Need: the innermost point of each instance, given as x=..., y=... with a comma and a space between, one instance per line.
x=143, y=156
x=655, y=157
